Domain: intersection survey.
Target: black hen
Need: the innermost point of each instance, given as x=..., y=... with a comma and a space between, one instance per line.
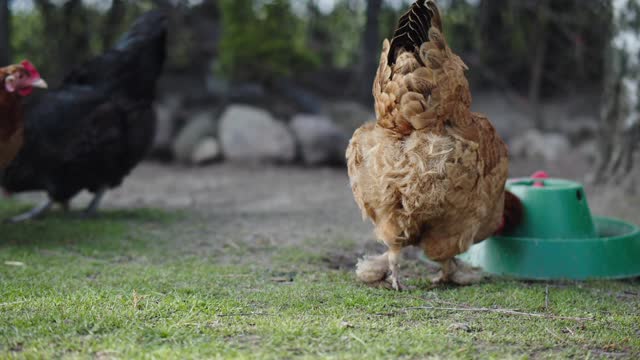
x=97, y=126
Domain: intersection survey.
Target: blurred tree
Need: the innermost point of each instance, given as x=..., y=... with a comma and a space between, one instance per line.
x=262, y=42
x=28, y=41
x=388, y=19
x=540, y=49
x=341, y=30
x=5, y=44
x=113, y=19
x=621, y=107
x=370, y=53
x=76, y=33
x=491, y=25
x=537, y=66
x=320, y=35
x=68, y=35
x=460, y=27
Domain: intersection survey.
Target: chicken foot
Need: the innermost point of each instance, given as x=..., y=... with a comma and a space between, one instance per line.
x=92, y=209
x=394, y=264
x=33, y=213
x=458, y=272
x=379, y=270
x=41, y=209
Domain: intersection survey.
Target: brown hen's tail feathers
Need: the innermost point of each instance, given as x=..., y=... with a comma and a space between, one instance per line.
x=513, y=212
x=413, y=28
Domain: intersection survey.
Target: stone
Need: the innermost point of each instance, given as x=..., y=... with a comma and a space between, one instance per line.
x=533, y=143
x=589, y=150
x=578, y=129
x=349, y=115
x=321, y=141
x=206, y=151
x=249, y=134
x=200, y=126
x=509, y=119
x=166, y=114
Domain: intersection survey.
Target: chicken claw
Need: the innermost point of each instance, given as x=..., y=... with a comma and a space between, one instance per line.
x=398, y=286
x=92, y=209
x=31, y=214
x=376, y=271
x=458, y=272
x=394, y=260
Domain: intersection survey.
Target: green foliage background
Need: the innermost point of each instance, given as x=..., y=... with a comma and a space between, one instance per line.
x=263, y=40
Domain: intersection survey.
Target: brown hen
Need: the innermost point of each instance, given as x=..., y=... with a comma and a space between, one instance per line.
x=16, y=82
x=429, y=172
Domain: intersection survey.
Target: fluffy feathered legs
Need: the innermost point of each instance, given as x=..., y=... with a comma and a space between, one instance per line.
x=394, y=263
x=458, y=272
x=381, y=270
x=373, y=269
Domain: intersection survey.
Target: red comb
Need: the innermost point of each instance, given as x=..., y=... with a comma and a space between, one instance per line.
x=27, y=65
x=539, y=175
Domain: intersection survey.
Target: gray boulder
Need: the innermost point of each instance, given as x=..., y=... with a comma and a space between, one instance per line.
x=167, y=114
x=578, y=129
x=206, y=151
x=589, y=150
x=509, y=119
x=252, y=135
x=320, y=140
x=349, y=115
x=200, y=126
x=533, y=143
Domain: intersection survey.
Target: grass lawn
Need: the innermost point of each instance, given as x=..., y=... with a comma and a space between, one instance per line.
x=138, y=284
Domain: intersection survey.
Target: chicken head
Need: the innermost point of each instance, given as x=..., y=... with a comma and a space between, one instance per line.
x=23, y=78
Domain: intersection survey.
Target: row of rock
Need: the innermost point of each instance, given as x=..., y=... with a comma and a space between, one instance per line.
x=250, y=134
x=550, y=146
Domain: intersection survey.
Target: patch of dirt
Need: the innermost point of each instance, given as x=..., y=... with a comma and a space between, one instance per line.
x=231, y=206
x=341, y=261
x=608, y=353
x=258, y=209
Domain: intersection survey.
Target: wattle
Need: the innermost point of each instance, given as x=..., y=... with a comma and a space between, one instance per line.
x=25, y=91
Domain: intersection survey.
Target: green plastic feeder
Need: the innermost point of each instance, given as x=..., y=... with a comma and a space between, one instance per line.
x=559, y=239
x=555, y=209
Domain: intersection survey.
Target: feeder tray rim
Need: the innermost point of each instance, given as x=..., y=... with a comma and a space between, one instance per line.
x=549, y=184
x=630, y=230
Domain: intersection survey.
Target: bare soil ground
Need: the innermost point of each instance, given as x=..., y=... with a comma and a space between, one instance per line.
x=290, y=204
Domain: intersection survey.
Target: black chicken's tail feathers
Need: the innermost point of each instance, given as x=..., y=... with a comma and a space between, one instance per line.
x=150, y=25
x=133, y=65
x=413, y=28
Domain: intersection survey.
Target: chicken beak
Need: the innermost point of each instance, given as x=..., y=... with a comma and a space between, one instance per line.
x=40, y=83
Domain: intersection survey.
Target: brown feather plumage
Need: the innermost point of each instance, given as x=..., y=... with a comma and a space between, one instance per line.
x=429, y=172
x=11, y=120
